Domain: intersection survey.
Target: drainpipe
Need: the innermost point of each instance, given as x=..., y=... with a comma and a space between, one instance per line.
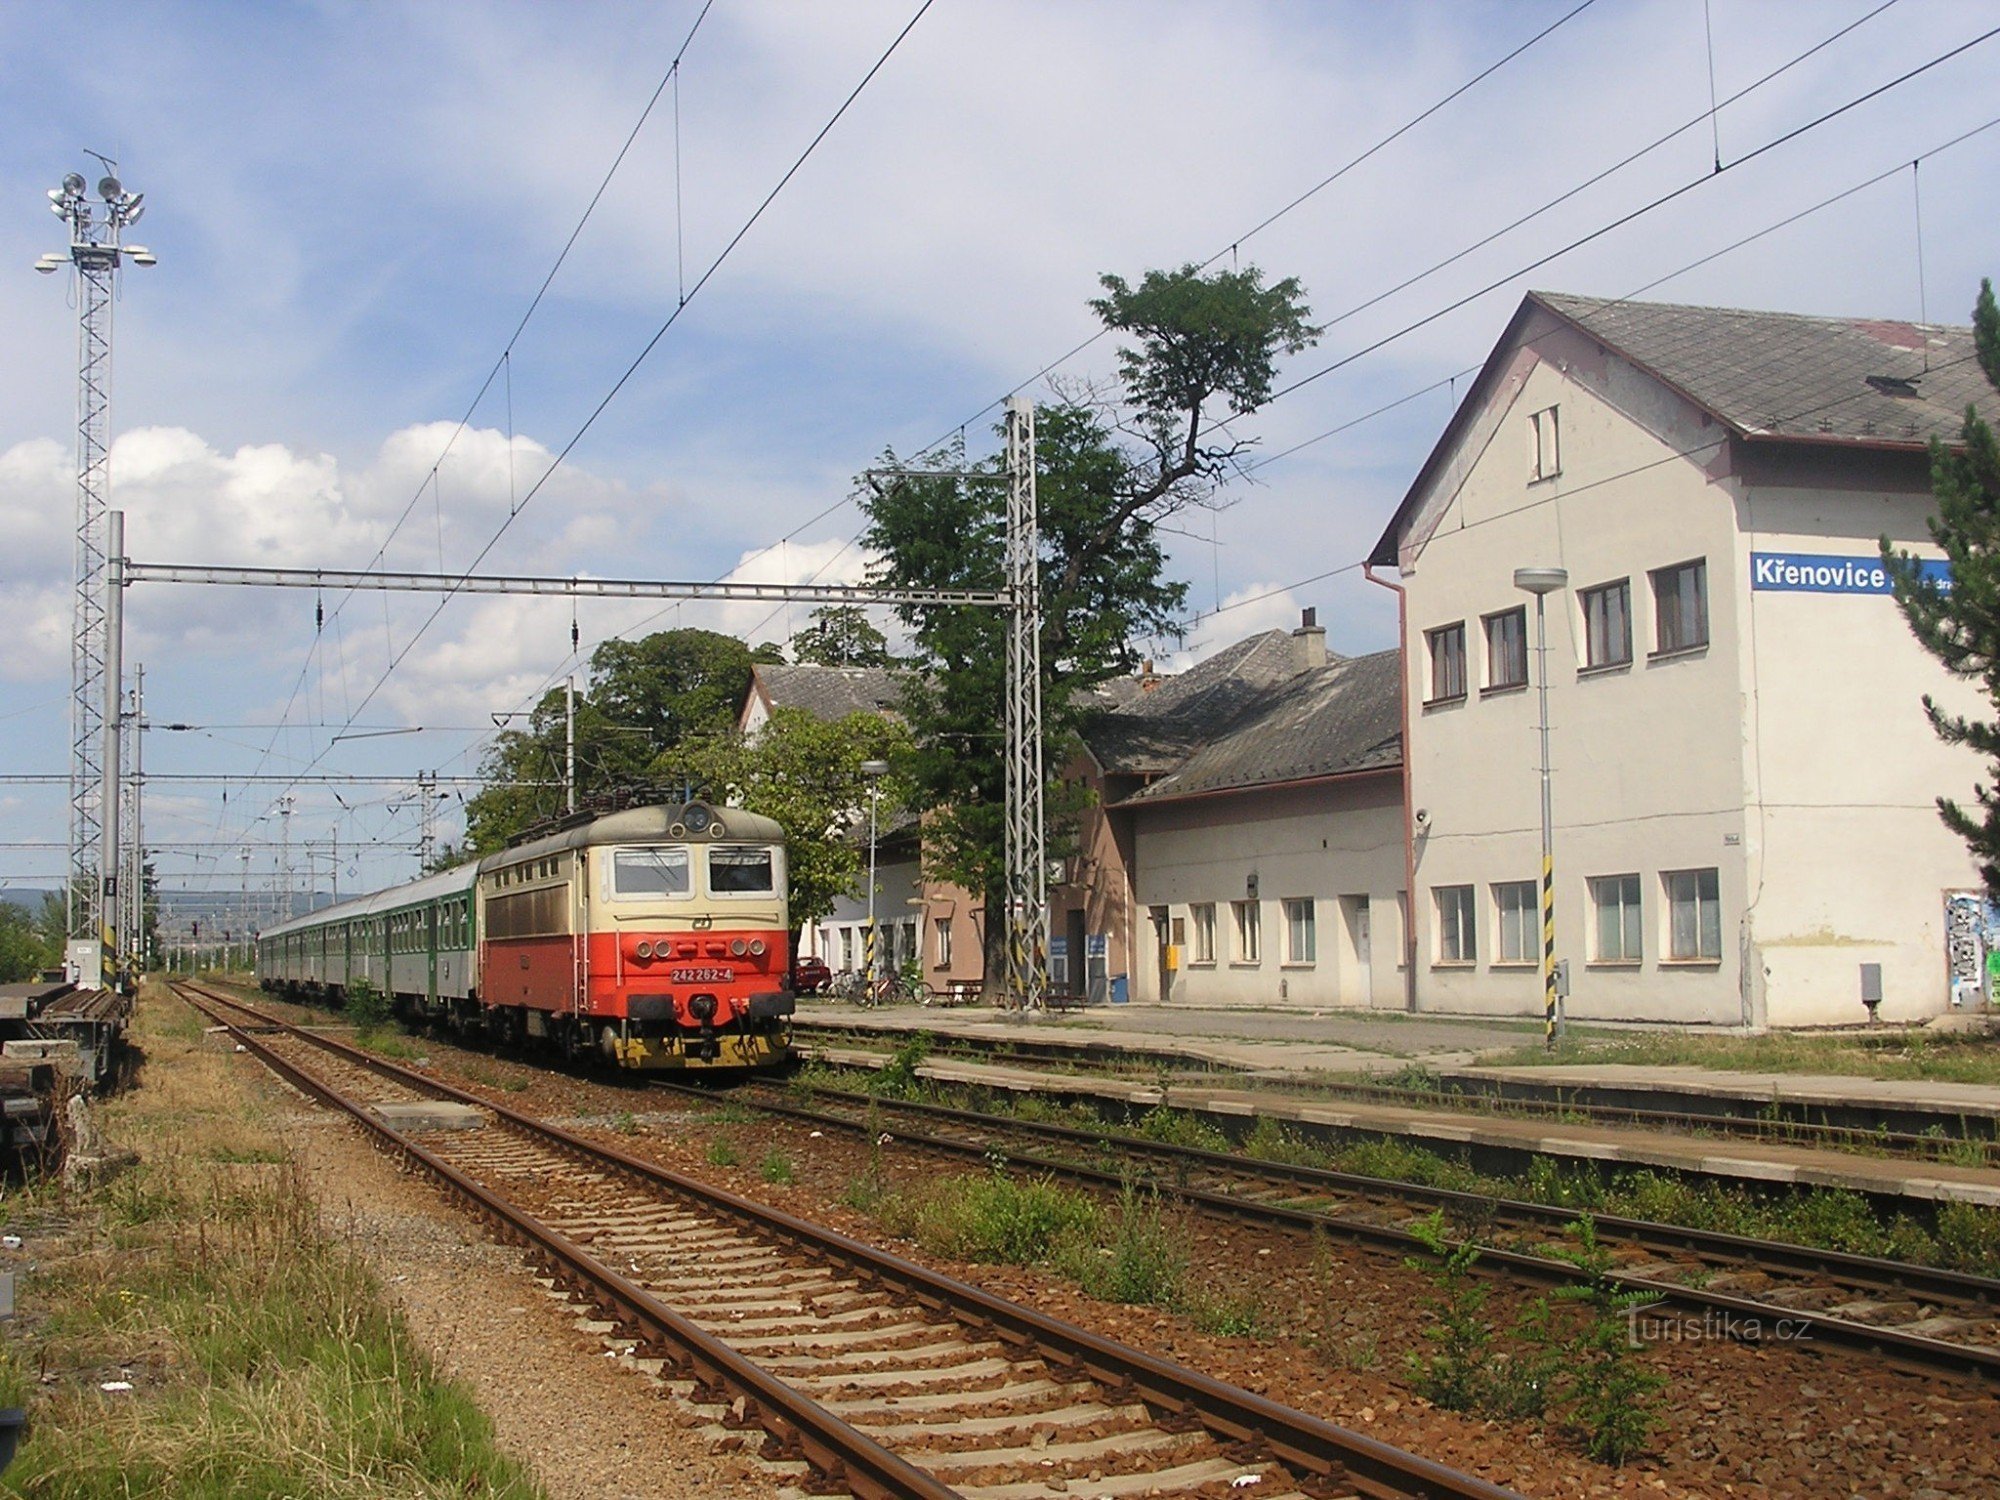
x=1409, y=804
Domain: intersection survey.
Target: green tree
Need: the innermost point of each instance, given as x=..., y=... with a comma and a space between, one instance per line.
x=842, y=635
x=643, y=701
x=25, y=947
x=1958, y=621
x=806, y=773
x=1108, y=473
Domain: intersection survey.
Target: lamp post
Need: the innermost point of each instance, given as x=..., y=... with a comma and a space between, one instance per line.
x=96, y=253
x=874, y=770
x=1541, y=582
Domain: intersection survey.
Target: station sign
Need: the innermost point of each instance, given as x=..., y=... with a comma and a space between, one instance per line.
x=1822, y=573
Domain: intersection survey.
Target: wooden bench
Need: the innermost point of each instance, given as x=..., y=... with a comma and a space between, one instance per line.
x=1065, y=1000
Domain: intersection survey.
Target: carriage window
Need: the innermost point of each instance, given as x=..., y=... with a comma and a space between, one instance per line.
x=649, y=872
x=740, y=872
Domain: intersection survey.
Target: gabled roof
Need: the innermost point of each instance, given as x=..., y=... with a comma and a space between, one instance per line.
x=1338, y=719
x=831, y=692
x=1767, y=377
x=1156, y=730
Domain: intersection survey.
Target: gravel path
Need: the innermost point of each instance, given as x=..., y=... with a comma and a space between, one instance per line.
x=590, y=1429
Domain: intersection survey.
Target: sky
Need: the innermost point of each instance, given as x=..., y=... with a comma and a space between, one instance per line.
x=354, y=207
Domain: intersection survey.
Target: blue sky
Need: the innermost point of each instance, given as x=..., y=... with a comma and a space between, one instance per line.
x=353, y=206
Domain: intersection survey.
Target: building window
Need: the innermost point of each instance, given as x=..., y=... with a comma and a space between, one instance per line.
x=1680, y=606
x=1694, y=916
x=1455, y=940
x=1299, y=943
x=1203, y=913
x=1507, y=649
x=1447, y=650
x=1249, y=932
x=941, y=940
x=847, y=947
x=1514, y=907
x=1545, y=444
x=1607, y=624
x=1616, y=901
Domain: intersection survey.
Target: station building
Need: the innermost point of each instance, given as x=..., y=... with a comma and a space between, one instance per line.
x=1744, y=828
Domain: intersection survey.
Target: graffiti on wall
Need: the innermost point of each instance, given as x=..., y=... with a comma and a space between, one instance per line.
x=1972, y=946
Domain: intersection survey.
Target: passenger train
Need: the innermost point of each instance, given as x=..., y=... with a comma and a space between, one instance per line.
x=656, y=937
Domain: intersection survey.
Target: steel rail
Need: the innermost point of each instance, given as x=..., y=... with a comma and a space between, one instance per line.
x=1378, y=1470
x=1746, y=1315
x=832, y=1446
x=1867, y=1271
x=1477, y=1102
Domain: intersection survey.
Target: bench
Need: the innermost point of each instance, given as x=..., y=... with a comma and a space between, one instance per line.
x=1064, y=1000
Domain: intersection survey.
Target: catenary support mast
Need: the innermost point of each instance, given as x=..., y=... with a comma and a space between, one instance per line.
x=1026, y=864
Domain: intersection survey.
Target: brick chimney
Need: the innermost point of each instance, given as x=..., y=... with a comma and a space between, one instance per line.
x=1147, y=681
x=1309, y=642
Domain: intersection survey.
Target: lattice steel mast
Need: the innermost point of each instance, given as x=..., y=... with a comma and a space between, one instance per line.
x=1027, y=863
x=96, y=256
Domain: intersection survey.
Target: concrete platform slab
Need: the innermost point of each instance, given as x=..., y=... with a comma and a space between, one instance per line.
x=437, y=1115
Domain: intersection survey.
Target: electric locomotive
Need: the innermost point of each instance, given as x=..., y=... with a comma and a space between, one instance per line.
x=654, y=937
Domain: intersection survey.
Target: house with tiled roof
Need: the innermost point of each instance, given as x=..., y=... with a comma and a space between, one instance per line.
x=1742, y=779
x=1255, y=805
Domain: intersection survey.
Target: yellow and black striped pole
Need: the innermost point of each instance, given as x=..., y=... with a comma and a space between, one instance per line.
x=1541, y=582
x=1548, y=945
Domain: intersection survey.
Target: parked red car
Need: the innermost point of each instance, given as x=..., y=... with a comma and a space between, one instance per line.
x=810, y=975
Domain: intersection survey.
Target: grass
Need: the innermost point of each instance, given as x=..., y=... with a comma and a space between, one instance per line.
x=263, y=1359
x=1888, y=1054
x=1964, y=1237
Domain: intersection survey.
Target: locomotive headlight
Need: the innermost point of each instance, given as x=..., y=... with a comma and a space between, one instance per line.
x=756, y=947
x=738, y=947
x=644, y=950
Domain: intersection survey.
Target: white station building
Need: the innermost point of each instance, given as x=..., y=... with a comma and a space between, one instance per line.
x=1743, y=778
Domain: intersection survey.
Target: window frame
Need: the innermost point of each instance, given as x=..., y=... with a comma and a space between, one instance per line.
x=613, y=856
x=1247, y=924
x=1667, y=586
x=1457, y=945
x=1518, y=618
x=1592, y=662
x=1452, y=637
x=1524, y=923
x=1631, y=920
x=1707, y=910
x=941, y=942
x=775, y=860
x=1201, y=917
x=1544, y=444
x=1300, y=921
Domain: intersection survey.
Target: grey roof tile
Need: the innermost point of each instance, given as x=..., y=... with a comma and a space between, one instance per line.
x=1345, y=716
x=1155, y=731
x=1872, y=381
x=833, y=692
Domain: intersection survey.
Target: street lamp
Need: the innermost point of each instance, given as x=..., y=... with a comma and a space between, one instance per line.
x=874, y=770
x=1541, y=582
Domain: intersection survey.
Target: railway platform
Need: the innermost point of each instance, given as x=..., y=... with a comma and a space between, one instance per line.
x=1287, y=1065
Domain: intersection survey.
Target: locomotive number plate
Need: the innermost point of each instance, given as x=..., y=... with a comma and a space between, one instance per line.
x=701, y=976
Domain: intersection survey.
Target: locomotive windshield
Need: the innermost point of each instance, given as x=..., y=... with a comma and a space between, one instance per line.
x=649, y=872
x=741, y=872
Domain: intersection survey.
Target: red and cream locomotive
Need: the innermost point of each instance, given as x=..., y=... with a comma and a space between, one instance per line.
x=656, y=937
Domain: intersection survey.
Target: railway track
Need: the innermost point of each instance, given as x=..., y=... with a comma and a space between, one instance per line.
x=1917, y=1316
x=1793, y=1124
x=873, y=1376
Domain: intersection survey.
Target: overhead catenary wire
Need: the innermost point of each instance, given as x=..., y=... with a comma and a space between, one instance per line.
x=1737, y=244
x=644, y=353
x=1437, y=266
x=504, y=363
